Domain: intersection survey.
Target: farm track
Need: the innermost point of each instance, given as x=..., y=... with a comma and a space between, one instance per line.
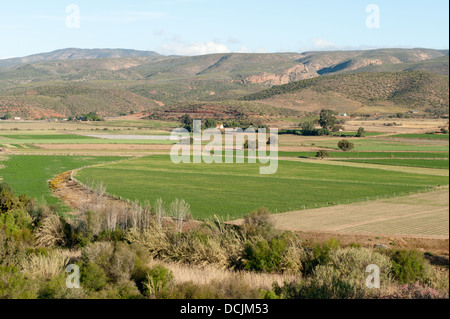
x=79, y=196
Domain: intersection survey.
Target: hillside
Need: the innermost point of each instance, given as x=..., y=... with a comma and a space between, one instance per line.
x=77, y=54
x=361, y=91
x=55, y=100
x=111, y=82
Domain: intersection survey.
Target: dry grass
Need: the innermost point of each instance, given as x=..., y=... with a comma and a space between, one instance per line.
x=420, y=215
x=46, y=266
x=208, y=275
x=51, y=232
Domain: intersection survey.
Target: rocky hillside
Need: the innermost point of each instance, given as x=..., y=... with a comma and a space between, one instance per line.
x=403, y=90
x=111, y=82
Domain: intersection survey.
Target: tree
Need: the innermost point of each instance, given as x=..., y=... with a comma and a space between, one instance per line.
x=345, y=145
x=250, y=145
x=327, y=119
x=308, y=128
x=322, y=154
x=7, y=116
x=337, y=128
x=361, y=132
x=210, y=123
x=186, y=122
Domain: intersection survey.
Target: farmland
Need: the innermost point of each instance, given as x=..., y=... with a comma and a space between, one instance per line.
x=30, y=174
x=218, y=189
x=382, y=166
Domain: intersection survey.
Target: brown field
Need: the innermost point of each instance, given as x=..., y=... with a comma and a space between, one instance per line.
x=421, y=215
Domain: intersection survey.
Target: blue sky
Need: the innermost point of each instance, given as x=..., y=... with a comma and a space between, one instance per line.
x=192, y=27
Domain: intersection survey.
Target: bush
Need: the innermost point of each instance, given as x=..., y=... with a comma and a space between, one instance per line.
x=93, y=277
x=55, y=288
x=14, y=285
x=340, y=275
x=322, y=154
x=225, y=289
x=345, y=145
x=264, y=256
x=319, y=255
x=361, y=132
x=258, y=223
x=408, y=266
x=159, y=280
x=122, y=290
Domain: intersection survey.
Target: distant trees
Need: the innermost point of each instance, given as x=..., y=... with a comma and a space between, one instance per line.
x=90, y=117
x=322, y=154
x=327, y=119
x=361, y=132
x=345, y=145
x=7, y=116
x=309, y=129
x=187, y=122
x=210, y=123
x=337, y=128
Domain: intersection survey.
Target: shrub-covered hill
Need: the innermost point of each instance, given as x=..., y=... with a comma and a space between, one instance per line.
x=412, y=89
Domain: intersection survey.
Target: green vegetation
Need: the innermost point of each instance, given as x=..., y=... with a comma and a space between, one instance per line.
x=346, y=146
x=423, y=136
x=30, y=174
x=123, y=261
x=218, y=188
x=393, y=155
x=427, y=163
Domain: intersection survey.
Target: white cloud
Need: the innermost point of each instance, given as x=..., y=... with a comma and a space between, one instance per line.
x=191, y=49
x=6, y=57
x=322, y=44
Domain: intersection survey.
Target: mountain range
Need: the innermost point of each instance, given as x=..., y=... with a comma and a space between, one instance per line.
x=114, y=81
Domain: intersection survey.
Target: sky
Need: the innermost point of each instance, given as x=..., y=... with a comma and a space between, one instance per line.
x=196, y=27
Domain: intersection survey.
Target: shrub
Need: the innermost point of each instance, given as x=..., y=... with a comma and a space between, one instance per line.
x=337, y=128
x=123, y=290
x=408, y=266
x=264, y=256
x=319, y=255
x=14, y=220
x=14, y=285
x=93, y=277
x=417, y=291
x=223, y=289
x=345, y=145
x=55, y=288
x=51, y=232
x=12, y=251
x=121, y=263
x=258, y=223
x=361, y=132
x=159, y=280
x=322, y=154
x=99, y=253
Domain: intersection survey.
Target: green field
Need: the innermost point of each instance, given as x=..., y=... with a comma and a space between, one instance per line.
x=233, y=190
x=30, y=174
x=423, y=136
x=382, y=144
x=412, y=155
x=72, y=139
x=427, y=163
